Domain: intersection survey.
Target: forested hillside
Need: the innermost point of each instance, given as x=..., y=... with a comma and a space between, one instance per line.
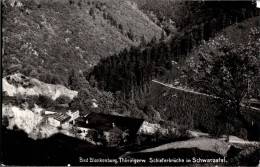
x=224, y=66
x=47, y=39
x=195, y=20
x=213, y=15
x=130, y=72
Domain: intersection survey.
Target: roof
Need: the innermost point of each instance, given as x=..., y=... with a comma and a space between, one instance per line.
x=62, y=117
x=104, y=122
x=81, y=122
x=63, y=109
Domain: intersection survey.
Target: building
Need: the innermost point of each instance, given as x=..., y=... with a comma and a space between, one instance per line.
x=74, y=114
x=109, y=124
x=65, y=109
x=82, y=126
x=59, y=120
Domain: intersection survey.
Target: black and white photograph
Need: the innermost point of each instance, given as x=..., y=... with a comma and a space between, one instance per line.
x=130, y=83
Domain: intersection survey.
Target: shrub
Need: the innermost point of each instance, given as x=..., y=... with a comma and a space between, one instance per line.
x=62, y=99
x=130, y=35
x=45, y=101
x=31, y=100
x=8, y=78
x=23, y=77
x=80, y=4
x=91, y=11
x=14, y=68
x=120, y=26
x=5, y=93
x=5, y=121
x=115, y=137
x=71, y=2
x=92, y=135
x=104, y=15
x=34, y=74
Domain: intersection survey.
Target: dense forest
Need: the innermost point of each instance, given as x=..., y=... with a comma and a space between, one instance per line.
x=129, y=72
x=184, y=13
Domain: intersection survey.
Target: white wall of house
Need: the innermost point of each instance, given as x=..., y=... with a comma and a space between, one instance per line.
x=65, y=125
x=73, y=115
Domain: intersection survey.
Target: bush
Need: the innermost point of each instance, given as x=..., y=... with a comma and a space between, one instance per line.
x=34, y=74
x=63, y=99
x=14, y=68
x=5, y=121
x=120, y=26
x=92, y=135
x=23, y=77
x=8, y=78
x=5, y=93
x=130, y=35
x=31, y=100
x=91, y=11
x=115, y=138
x=45, y=101
x=71, y=2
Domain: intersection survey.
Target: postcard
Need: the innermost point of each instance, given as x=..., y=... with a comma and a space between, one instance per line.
x=130, y=83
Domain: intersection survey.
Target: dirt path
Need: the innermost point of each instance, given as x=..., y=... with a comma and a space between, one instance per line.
x=182, y=89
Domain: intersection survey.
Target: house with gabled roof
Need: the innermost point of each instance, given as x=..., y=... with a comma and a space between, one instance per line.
x=61, y=115
x=59, y=119
x=109, y=124
x=65, y=109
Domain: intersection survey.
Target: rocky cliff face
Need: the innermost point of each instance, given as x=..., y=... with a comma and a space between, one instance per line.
x=19, y=84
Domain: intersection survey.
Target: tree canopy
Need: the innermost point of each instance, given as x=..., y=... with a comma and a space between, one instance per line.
x=227, y=69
